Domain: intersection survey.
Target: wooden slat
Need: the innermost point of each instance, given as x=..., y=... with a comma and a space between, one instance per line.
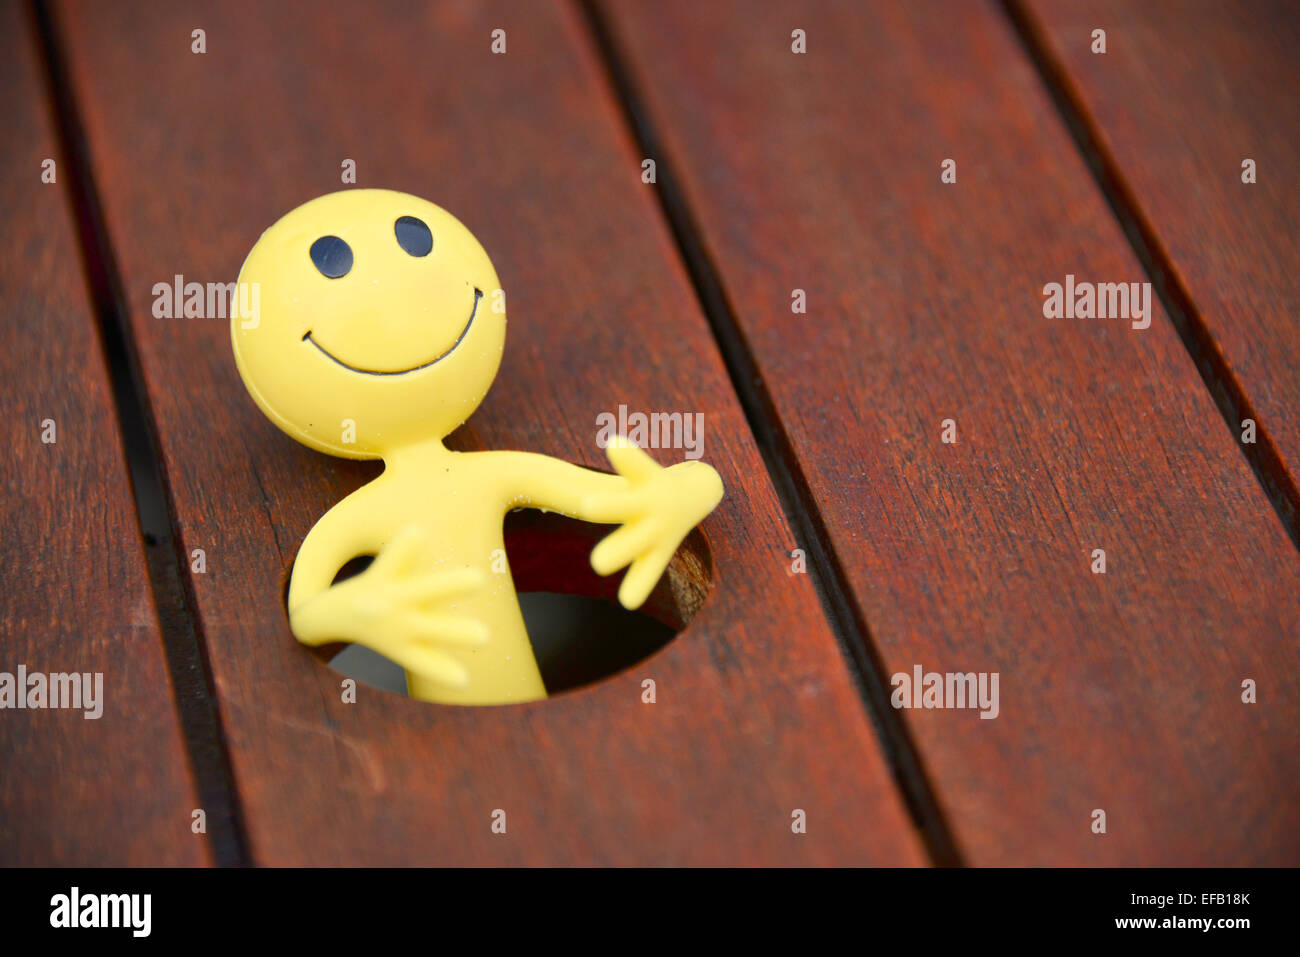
x=1185, y=92
x=1119, y=692
x=112, y=790
x=756, y=713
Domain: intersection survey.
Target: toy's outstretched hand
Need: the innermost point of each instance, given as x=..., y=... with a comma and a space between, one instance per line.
x=400, y=607
x=659, y=507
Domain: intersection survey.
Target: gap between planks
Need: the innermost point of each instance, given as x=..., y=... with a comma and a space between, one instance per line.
x=829, y=578
x=191, y=676
x=1225, y=387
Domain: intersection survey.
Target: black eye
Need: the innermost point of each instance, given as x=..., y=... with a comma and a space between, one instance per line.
x=413, y=236
x=332, y=256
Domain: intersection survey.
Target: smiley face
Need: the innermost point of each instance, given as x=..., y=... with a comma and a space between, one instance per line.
x=373, y=322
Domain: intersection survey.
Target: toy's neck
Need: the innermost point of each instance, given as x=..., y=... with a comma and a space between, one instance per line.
x=417, y=456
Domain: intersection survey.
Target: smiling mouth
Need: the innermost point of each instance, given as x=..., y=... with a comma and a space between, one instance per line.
x=478, y=294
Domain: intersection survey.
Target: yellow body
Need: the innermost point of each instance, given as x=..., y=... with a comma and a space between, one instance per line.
x=383, y=359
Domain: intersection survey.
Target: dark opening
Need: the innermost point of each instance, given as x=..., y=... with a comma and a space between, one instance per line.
x=579, y=632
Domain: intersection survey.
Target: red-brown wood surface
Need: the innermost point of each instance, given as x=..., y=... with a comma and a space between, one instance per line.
x=1185, y=92
x=194, y=155
x=1120, y=692
x=75, y=594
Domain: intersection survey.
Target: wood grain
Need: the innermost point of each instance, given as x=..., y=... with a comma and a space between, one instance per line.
x=1183, y=95
x=112, y=790
x=196, y=154
x=1120, y=691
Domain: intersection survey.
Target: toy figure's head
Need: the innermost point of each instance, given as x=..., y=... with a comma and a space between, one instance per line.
x=378, y=323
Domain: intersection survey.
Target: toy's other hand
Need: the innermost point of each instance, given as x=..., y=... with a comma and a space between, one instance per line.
x=659, y=507
x=401, y=607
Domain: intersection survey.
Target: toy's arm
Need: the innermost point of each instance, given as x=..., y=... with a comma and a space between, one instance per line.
x=655, y=506
x=332, y=542
x=395, y=606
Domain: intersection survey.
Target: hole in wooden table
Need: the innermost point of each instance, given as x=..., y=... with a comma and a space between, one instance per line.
x=579, y=631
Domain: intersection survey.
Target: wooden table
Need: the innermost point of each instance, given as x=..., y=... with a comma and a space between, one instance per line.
x=923, y=465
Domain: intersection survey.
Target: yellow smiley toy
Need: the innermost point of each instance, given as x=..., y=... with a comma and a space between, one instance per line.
x=374, y=336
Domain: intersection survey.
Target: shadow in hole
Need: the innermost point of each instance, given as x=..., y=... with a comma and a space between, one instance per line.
x=580, y=634
x=577, y=640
